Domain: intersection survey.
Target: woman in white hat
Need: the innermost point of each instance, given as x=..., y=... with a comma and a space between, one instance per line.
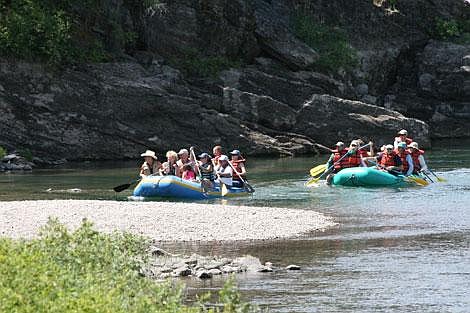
x=151, y=165
x=402, y=137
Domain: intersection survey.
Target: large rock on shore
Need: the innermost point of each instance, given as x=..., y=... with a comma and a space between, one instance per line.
x=333, y=119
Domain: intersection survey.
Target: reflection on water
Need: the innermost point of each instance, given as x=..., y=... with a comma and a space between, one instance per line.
x=395, y=250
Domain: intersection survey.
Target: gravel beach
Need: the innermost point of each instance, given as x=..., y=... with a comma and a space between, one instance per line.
x=162, y=221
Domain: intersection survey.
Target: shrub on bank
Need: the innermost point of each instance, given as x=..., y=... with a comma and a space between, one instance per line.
x=87, y=271
x=3, y=152
x=454, y=30
x=330, y=42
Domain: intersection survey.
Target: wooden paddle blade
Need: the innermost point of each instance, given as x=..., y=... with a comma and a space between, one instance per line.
x=440, y=179
x=223, y=189
x=121, y=187
x=317, y=170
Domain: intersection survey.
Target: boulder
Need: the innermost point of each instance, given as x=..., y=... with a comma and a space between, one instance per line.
x=333, y=118
x=258, y=109
x=276, y=39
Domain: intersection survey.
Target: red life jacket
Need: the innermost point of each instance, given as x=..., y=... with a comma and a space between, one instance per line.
x=407, y=140
x=337, y=156
x=414, y=156
x=388, y=159
x=403, y=159
x=354, y=160
x=236, y=165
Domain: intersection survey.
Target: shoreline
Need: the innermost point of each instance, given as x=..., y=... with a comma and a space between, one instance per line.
x=163, y=221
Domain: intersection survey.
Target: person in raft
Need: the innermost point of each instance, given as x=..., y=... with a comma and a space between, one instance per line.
x=239, y=172
x=188, y=173
x=217, y=152
x=170, y=167
x=389, y=161
x=224, y=171
x=418, y=159
x=184, y=159
x=206, y=169
x=402, y=137
x=355, y=155
x=335, y=158
x=405, y=158
x=151, y=166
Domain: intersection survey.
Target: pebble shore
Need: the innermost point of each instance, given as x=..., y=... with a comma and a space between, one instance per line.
x=162, y=221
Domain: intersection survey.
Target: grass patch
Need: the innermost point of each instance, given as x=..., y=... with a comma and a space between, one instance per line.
x=88, y=271
x=330, y=42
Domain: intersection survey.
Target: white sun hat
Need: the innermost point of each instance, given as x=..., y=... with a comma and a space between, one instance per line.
x=149, y=153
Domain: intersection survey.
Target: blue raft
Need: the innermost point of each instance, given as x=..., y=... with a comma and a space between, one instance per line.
x=175, y=187
x=368, y=176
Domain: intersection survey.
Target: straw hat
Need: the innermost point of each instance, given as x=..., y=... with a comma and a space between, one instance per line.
x=340, y=143
x=149, y=153
x=403, y=132
x=183, y=151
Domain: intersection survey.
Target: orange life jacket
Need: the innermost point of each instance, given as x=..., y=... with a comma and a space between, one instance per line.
x=354, y=159
x=403, y=159
x=388, y=159
x=236, y=165
x=407, y=140
x=337, y=155
x=414, y=156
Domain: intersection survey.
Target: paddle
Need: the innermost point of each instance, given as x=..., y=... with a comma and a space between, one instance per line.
x=125, y=186
x=432, y=181
x=439, y=179
x=314, y=180
x=317, y=170
x=247, y=186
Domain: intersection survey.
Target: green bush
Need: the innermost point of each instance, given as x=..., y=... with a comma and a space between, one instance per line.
x=87, y=271
x=455, y=30
x=446, y=29
x=331, y=43
x=26, y=153
x=3, y=152
x=69, y=31
x=194, y=64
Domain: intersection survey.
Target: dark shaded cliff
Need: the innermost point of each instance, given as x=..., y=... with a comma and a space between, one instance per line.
x=237, y=73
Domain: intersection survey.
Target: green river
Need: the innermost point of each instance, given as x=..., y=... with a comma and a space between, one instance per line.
x=394, y=250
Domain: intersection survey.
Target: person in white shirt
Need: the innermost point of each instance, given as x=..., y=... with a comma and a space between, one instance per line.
x=224, y=171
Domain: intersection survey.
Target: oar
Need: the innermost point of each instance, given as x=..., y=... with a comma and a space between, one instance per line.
x=317, y=170
x=125, y=186
x=247, y=186
x=314, y=180
x=430, y=179
x=439, y=179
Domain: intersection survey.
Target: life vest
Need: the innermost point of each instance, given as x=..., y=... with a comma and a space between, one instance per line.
x=414, y=156
x=205, y=173
x=337, y=155
x=407, y=140
x=354, y=159
x=236, y=166
x=388, y=159
x=403, y=159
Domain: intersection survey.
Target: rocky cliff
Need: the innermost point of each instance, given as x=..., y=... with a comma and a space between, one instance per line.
x=269, y=97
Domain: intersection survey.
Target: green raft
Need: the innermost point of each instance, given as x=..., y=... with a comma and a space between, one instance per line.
x=368, y=176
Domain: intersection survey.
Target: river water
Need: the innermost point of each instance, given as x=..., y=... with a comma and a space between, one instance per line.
x=394, y=250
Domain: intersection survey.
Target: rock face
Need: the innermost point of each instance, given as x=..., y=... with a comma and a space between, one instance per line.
x=354, y=119
x=276, y=102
